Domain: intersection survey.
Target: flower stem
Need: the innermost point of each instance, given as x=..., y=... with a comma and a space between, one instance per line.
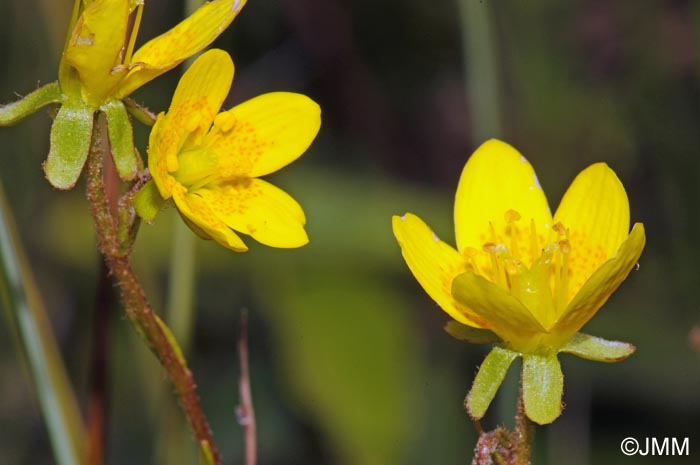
x=523, y=434
x=135, y=302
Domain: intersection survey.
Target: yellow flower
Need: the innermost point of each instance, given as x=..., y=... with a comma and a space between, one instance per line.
x=99, y=59
x=209, y=163
x=99, y=68
x=522, y=277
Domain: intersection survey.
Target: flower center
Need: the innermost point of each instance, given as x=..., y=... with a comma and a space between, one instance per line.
x=543, y=286
x=196, y=167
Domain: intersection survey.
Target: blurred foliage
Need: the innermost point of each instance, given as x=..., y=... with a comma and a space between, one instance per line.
x=349, y=361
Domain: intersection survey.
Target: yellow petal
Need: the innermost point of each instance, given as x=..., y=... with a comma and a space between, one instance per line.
x=599, y=287
x=264, y=134
x=259, y=209
x=95, y=45
x=198, y=211
x=198, y=97
x=497, y=179
x=434, y=264
x=181, y=42
x=596, y=211
x=506, y=316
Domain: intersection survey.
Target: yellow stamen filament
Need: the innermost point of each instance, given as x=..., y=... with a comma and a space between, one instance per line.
x=511, y=218
x=534, y=245
x=543, y=287
x=494, y=251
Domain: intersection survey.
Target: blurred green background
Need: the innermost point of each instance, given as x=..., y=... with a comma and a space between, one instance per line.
x=350, y=364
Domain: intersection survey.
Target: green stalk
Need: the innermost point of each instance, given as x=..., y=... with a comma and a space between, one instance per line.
x=27, y=319
x=481, y=69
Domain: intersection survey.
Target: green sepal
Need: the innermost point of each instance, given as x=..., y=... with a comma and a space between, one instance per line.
x=121, y=139
x=15, y=111
x=598, y=349
x=148, y=201
x=488, y=380
x=543, y=386
x=470, y=334
x=206, y=457
x=71, y=135
x=141, y=113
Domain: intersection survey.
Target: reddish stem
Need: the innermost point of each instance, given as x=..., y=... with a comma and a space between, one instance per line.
x=135, y=302
x=245, y=411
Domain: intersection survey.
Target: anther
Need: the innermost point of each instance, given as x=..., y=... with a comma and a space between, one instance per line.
x=489, y=247
x=565, y=246
x=512, y=216
x=559, y=228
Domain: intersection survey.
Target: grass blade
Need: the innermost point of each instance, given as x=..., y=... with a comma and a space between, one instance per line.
x=27, y=319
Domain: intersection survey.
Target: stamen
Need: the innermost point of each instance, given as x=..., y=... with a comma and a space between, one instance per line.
x=534, y=245
x=511, y=217
x=494, y=250
x=559, y=228
x=542, y=271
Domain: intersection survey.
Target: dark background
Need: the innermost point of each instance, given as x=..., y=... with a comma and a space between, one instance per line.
x=350, y=365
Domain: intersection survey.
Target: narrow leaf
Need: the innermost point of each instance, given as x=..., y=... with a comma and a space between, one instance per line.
x=543, y=386
x=71, y=135
x=121, y=139
x=171, y=341
x=597, y=348
x=15, y=111
x=205, y=455
x=27, y=318
x=470, y=334
x=488, y=380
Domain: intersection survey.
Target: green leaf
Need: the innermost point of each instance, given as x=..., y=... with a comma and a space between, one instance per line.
x=171, y=341
x=205, y=455
x=349, y=349
x=27, y=318
x=543, y=386
x=148, y=201
x=121, y=139
x=488, y=380
x=71, y=135
x=15, y=111
x=598, y=349
x=470, y=334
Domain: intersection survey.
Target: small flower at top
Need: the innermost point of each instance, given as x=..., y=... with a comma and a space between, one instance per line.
x=522, y=279
x=208, y=162
x=99, y=69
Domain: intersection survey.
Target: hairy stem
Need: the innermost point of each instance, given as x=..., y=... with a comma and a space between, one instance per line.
x=135, y=302
x=523, y=434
